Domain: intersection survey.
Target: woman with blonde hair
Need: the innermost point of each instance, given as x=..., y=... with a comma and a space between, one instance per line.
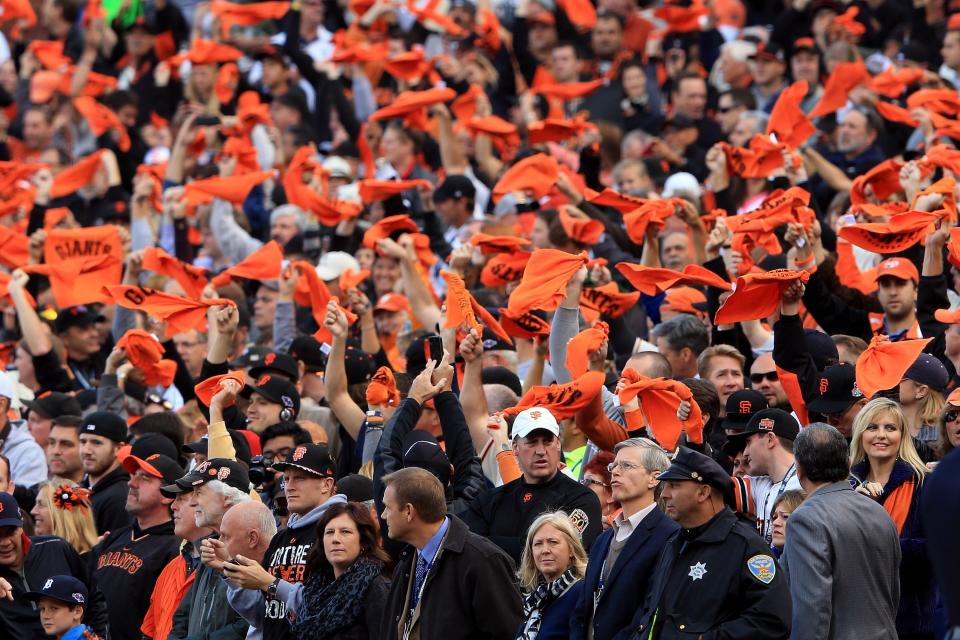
x=886, y=468
x=64, y=510
x=921, y=398
x=551, y=573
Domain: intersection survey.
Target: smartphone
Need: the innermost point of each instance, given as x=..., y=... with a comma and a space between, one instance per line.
x=435, y=348
x=207, y=120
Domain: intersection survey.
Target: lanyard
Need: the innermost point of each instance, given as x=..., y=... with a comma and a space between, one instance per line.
x=767, y=528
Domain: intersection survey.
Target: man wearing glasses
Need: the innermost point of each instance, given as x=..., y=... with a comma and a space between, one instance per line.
x=622, y=559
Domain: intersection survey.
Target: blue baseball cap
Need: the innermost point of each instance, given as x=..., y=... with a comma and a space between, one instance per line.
x=66, y=589
x=9, y=511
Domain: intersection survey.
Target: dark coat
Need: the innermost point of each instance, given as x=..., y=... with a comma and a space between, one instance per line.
x=470, y=592
x=555, y=624
x=367, y=626
x=626, y=586
x=704, y=584
x=46, y=556
x=915, y=612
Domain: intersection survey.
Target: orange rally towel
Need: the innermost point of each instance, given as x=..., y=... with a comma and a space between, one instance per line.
x=77, y=175
x=192, y=279
x=79, y=280
x=845, y=77
x=544, y=281
x=582, y=345
x=145, y=352
x=504, y=268
x=882, y=365
x=659, y=400
x=210, y=387
x=497, y=244
x=654, y=281
x=181, y=314
x=902, y=231
x=787, y=120
x=535, y=174
x=562, y=400
x=757, y=295
x=583, y=230
x=262, y=264
x=387, y=227
x=382, y=388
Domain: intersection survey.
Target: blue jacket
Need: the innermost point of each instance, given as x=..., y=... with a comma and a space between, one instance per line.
x=626, y=586
x=556, y=617
x=915, y=615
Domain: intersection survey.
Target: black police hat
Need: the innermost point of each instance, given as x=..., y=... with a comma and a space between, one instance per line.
x=280, y=363
x=455, y=187
x=275, y=389
x=775, y=421
x=740, y=407
x=309, y=351
x=105, y=424
x=310, y=457
x=838, y=390
x=54, y=404
x=230, y=472
x=690, y=465
x=66, y=589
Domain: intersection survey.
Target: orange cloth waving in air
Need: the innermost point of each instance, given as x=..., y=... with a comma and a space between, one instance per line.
x=232, y=189
x=757, y=295
x=14, y=248
x=101, y=119
x=659, y=399
x=902, y=231
x=526, y=326
x=459, y=304
x=504, y=268
x=77, y=175
x=610, y=198
x=882, y=365
x=145, y=352
x=210, y=387
x=382, y=389
x=562, y=400
x=884, y=180
x=654, y=281
x=79, y=280
x=544, y=281
x=497, y=244
x=583, y=230
x=845, y=77
x=787, y=120
x=351, y=279
x=607, y=300
x=181, y=314
x=377, y=190
x=192, y=279
x=582, y=345
x=387, y=227
x=569, y=90
x=652, y=212
x=312, y=293
x=262, y=264
x=536, y=174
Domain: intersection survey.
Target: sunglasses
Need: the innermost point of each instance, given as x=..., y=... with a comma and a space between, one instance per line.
x=757, y=378
x=950, y=416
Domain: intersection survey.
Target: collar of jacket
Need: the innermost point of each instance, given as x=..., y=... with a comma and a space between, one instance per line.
x=718, y=527
x=902, y=472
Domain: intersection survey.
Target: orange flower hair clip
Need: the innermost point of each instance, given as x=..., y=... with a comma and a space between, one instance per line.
x=67, y=497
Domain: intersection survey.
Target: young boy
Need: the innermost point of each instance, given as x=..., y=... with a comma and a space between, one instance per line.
x=62, y=601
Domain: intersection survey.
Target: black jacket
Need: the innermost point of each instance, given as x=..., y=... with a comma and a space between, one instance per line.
x=470, y=591
x=46, y=556
x=503, y=514
x=718, y=581
x=626, y=584
x=127, y=564
x=109, y=497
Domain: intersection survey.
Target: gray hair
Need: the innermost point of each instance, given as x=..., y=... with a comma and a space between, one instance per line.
x=499, y=397
x=760, y=120
x=290, y=210
x=231, y=495
x=684, y=330
x=822, y=452
x=256, y=515
x=653, y=457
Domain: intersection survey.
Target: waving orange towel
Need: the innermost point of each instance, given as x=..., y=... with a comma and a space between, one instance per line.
x=145, y=352
x=882, y=365
x=757, y=295
x=544, y=281
x=659, y=399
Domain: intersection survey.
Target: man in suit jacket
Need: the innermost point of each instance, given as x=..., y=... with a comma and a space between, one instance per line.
x=449, y=584
x=842, y=550
x=623, y=557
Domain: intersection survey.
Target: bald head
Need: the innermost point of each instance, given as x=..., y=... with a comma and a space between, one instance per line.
x=651, y=364
x=246, y=529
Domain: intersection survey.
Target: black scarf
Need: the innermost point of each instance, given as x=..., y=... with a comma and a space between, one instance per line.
x=330, y=605
x=537, y=601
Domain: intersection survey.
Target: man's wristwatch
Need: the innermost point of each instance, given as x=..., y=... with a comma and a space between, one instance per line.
x=271, y=590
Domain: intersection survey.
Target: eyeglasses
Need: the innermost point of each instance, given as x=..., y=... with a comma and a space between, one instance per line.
x=626, y=466
x=950, y=416
x=757, y=378
x=588, y=482
x=725, y=109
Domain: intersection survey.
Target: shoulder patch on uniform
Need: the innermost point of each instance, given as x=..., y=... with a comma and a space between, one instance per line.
x=762, y=567
x=580, y=520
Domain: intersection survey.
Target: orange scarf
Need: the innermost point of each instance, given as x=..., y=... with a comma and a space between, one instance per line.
x=898, y=502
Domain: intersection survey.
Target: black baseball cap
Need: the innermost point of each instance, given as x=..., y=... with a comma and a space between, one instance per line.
x=79, y=316
x=310, y=457
x=151, y=443
x=275, y=389
x=502, y=375
x=360, y=365
x=105, y=424
x=240, y=446
x=453, y=188
x=9, y=511
x=838, y=390
x=230, y=472
x=356, y=487
x=309, y=351
x=54, y=404
x=279, y=363
x=775, y=421
x=821, y=347
x=251, y=358
x=493, y=342
x=740, y=407
x=156, y=465
x=928, y=370
x=421, y=449
x=688, y=464
x=768, y=51
x=66, y=589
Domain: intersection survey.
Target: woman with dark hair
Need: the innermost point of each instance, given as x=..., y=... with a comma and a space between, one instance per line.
x=344, y=591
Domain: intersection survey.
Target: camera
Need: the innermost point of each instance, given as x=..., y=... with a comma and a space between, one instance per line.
x=259, y=471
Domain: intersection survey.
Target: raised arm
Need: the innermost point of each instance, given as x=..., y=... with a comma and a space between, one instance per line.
x=348, y=413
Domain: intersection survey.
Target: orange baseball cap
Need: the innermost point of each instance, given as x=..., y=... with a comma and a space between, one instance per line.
x=898, y=268
x=392, y=302
x=954, y=398
x=684, y=300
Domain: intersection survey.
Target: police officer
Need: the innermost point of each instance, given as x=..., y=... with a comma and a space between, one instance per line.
x=716, y=577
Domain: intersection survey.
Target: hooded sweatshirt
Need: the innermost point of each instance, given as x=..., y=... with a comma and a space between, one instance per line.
x=28, y=464
x=285, y=558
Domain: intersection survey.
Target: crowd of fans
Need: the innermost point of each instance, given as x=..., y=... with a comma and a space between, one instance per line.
x=441, y=319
